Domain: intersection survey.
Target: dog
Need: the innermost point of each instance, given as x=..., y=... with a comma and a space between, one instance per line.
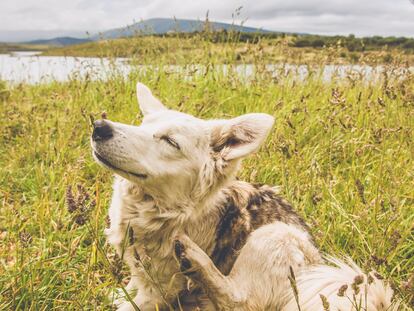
x=187, y=227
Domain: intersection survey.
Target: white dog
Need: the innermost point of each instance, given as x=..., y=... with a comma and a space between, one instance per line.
x=179, y=214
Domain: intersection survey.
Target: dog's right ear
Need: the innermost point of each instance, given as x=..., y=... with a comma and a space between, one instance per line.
x=147, y=102
x=236, y=138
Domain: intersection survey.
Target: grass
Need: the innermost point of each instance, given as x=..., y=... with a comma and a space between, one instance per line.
x=341, y=150
x=197, y=48
x=6, y=48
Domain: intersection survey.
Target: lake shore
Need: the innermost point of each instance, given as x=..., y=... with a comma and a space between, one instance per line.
x=31, y=67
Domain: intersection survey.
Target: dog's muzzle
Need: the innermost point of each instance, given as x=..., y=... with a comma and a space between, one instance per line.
x=101, y=131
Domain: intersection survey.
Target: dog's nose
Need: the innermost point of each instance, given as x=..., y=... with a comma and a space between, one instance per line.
x=101, y=130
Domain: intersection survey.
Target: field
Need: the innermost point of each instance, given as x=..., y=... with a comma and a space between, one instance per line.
x=342, y=151
x=232, y=49
x=6, y=48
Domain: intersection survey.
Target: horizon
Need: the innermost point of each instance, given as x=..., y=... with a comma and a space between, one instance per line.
x=21, y=36
x=46, y=19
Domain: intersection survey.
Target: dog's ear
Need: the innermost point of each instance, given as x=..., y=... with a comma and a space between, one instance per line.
x=147, y=102
x=238, y=137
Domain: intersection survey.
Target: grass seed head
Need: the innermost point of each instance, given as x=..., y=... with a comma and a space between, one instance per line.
x=342, y=290
x=70, y=200
x=26, y=238
x=325, y=302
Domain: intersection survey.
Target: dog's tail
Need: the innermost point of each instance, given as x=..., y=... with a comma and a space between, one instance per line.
x=339, y=285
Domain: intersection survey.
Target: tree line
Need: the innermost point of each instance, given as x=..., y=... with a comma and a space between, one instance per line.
x=350, y=42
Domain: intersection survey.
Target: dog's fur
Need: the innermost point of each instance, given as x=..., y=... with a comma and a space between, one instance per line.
x=179, y=214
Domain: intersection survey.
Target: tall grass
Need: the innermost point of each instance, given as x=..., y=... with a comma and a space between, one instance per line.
x=227, y=48
x=342, y=150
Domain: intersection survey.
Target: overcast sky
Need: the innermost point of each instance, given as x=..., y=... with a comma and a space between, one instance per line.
x=360, y=17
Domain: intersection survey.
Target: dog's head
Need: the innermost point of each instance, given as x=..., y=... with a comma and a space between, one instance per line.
x=175, y=152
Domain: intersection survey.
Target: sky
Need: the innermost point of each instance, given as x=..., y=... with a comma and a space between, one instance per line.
x=48, y=18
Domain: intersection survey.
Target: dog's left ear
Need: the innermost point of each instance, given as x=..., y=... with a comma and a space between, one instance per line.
x=147, y=102
x=238, y=137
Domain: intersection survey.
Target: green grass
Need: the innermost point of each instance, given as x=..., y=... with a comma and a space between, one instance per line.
x=198, y=48
x=6, y=48
x=342, y=152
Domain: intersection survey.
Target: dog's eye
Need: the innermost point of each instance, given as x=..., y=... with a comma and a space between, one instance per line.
x=170, y=141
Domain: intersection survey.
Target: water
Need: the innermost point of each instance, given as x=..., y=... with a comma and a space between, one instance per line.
x=29, y=67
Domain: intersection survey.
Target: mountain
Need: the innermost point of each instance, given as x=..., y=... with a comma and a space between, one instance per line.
x=146, y=27
x=29, y=35
x=59, y=41
x=166, y=25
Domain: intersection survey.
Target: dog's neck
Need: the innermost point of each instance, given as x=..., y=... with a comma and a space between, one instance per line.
x=155, y=221
x=154, y=210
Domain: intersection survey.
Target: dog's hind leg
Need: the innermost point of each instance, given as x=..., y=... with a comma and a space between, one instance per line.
x=259, y=279
x=196, y=264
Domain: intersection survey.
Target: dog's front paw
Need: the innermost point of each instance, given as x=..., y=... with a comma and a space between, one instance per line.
x=190, y=256
x=119, y=298
x=121, y=295
x=128, y=306
x=181, y=256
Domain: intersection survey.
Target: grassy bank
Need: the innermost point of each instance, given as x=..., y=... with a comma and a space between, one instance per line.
x=341, y=150
x=199, y=48
x=6, y=48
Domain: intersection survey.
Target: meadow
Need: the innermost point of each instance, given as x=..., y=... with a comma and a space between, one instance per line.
x=21, y=47
x=231, y=48
x=341, y=150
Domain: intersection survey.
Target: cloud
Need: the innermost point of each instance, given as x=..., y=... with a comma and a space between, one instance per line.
x=379, y=17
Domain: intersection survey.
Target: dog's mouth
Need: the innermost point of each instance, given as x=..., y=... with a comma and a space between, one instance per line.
x=113, y=167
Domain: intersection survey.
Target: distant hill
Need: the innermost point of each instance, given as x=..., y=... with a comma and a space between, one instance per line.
x=147, y=27
x=59, y=41
x=19, y=36
x=168, y=25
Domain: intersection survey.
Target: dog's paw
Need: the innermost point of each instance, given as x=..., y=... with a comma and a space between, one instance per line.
x=190, y=256
x=125, y=306
x=117, y=297
x=150, y=306
x=181, y=256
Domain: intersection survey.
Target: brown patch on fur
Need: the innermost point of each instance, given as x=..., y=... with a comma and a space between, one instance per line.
x=246, y=208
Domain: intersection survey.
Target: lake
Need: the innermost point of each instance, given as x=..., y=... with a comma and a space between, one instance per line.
x=28, y=67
